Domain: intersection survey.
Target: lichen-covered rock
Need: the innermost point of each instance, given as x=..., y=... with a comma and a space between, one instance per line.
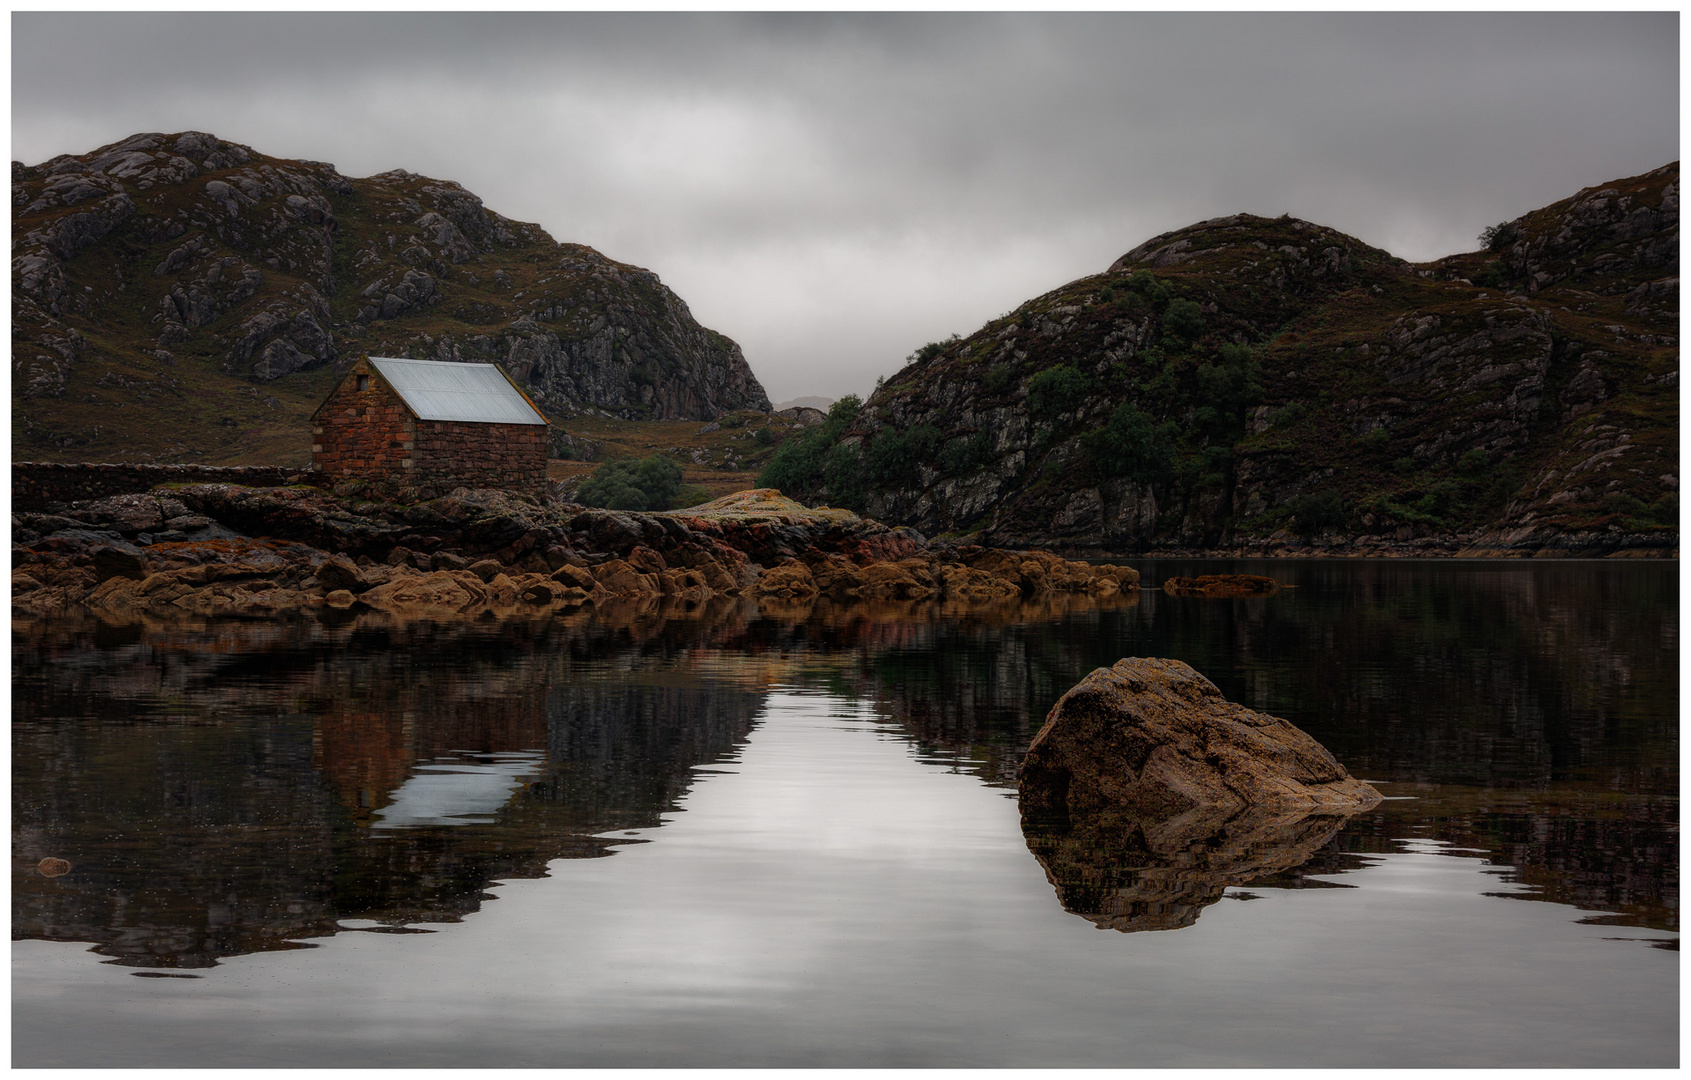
x=792, y=580
x=1155, y=737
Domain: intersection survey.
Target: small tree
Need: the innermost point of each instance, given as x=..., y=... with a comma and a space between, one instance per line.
x=1499, y=236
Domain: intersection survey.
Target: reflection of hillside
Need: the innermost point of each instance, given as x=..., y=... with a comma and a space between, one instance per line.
x=1131, y=874
x=258, y=790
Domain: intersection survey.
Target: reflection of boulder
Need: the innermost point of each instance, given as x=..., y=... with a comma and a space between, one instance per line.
x=1153, y=737
x=1158, y=873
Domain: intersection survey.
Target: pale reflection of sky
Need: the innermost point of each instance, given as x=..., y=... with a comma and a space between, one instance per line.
x=464, y=791
x=826, y=899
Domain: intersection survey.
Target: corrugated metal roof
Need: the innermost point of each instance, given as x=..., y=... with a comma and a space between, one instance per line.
x=441, y=390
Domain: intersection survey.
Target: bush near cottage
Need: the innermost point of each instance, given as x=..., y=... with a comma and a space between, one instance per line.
x=648, y=484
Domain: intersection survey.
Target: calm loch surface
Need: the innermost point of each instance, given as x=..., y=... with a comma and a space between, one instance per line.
x=736, y=838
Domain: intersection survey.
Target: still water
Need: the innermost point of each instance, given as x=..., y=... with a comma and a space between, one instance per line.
x=790, y=837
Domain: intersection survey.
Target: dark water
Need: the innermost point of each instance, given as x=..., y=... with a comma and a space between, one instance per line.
x=790, y=838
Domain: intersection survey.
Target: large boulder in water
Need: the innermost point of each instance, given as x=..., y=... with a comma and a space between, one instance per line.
x=1154, y=737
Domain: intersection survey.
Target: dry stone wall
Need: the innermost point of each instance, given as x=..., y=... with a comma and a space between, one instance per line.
x=39, y=485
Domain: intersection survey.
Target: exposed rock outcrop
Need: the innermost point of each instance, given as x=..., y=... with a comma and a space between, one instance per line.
x=211, y=548
x=1153, y=737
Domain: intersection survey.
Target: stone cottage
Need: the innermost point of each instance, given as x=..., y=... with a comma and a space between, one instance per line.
x=430, y=423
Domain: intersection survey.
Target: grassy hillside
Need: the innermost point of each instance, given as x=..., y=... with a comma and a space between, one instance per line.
x=1252, y=377
x=183, y=298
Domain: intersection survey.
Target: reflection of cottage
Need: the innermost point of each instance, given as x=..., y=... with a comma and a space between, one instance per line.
x=430, y=421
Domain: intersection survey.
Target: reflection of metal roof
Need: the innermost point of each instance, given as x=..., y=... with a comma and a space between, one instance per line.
x=464, y=789
x=441, y=390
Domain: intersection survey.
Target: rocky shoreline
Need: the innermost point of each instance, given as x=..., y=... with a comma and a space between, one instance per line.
x=215, y=548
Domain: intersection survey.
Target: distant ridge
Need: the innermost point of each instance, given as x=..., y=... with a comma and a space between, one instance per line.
x=810, y=402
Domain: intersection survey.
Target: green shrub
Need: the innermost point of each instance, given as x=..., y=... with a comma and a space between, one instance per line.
x=1440, y=500
x=1472, y=463
x=1499, y=236
x=959, y=456
x=1130, y=445
x=844, y=477
x=799, y=466
x=1183, y=319
x=1642, y=515
x=1055, y=391
x=895, y=456
x=647, y=484
x=1493, y=275
x=764, y=436
x=931, y=350
x=690, y=495
x=1148, y=285
x=999, y=378
x=1232, y=385
x=1316, y=512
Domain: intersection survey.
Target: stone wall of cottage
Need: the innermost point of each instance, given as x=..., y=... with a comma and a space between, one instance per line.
x=510, y=456
x=362, y=433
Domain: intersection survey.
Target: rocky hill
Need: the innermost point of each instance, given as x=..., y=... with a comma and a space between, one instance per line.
x=179, y=297
x=1272, y=382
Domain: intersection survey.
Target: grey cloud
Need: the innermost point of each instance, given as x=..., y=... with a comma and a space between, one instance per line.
x=934, y=169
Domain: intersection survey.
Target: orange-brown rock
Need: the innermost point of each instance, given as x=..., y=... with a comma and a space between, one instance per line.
x=441, y=590
x=1155, y=737
x=619, y=578
x=1221, y=585
x=906, y=579
x=959, y=582
x=792, y=580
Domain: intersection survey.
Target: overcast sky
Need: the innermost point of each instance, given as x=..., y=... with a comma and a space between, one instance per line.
x=833, y=191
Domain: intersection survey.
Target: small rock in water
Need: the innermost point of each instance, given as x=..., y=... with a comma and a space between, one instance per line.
x=1221, y=585
x=52, y=867
x=1155, y=737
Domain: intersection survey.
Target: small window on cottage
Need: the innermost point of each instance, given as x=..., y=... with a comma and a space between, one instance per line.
x=363, y=383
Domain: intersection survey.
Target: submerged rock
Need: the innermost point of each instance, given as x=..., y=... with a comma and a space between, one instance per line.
x=1152, y=736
